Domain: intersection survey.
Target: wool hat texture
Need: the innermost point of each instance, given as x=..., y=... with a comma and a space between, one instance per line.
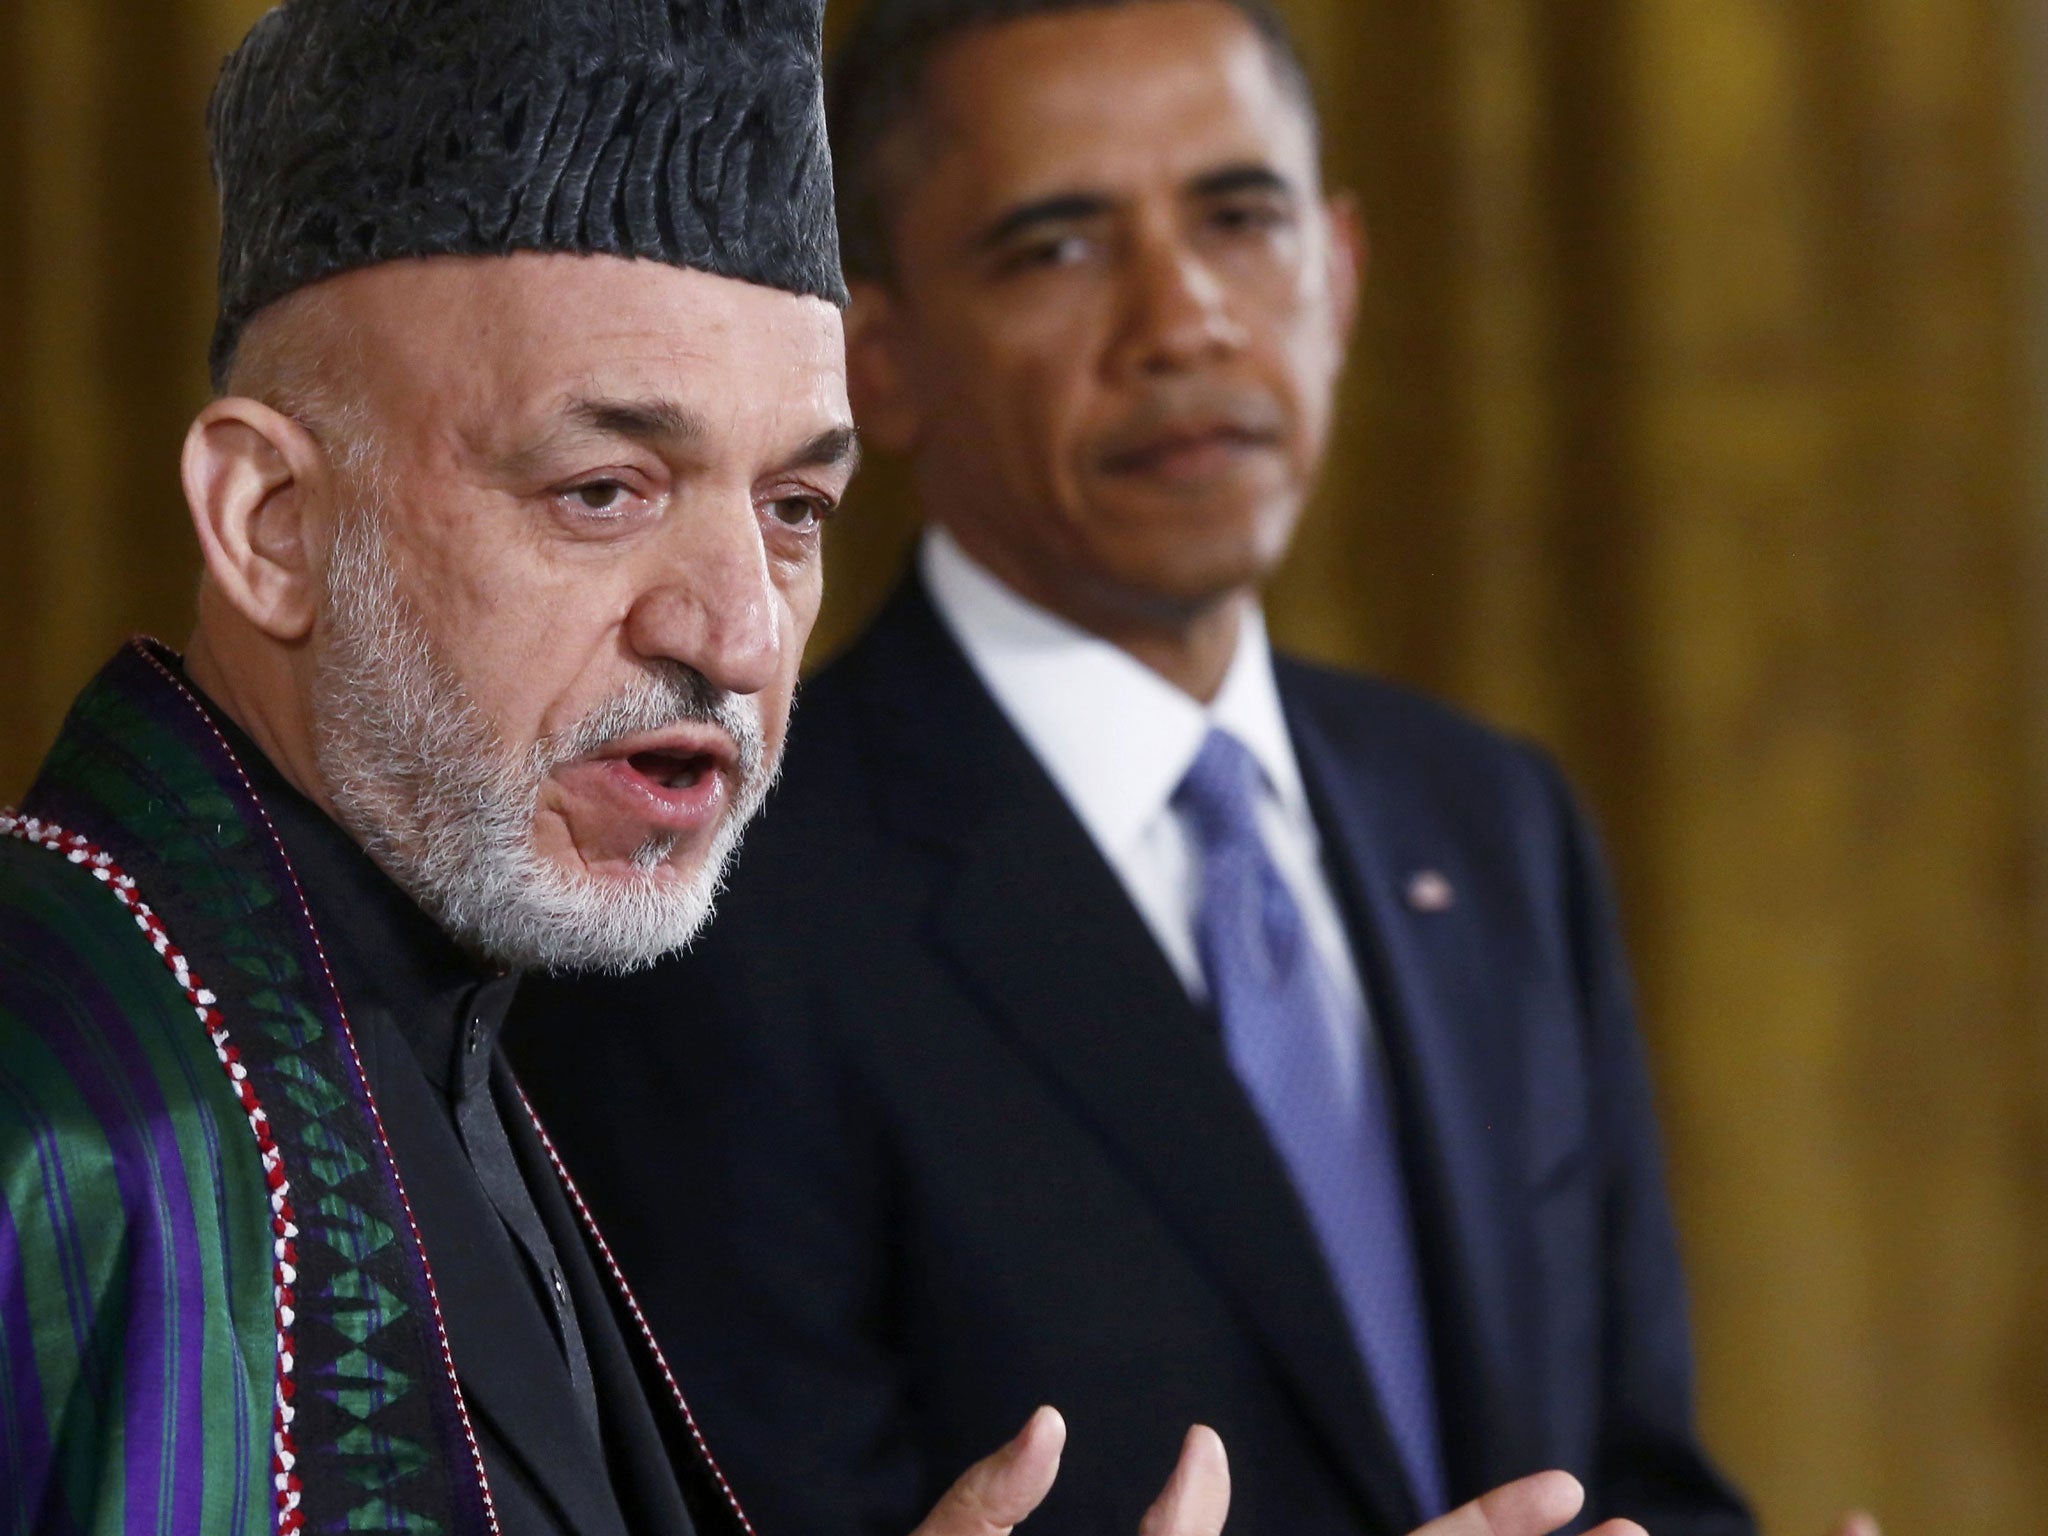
x=346, y=133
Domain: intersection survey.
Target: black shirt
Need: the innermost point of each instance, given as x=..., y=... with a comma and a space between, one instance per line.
x=560, y=1415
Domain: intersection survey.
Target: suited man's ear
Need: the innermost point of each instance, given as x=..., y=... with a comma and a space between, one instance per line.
x=877, y=373
x=1350, y=253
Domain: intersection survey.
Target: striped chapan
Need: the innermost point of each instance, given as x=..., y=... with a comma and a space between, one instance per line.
x=215, y=1314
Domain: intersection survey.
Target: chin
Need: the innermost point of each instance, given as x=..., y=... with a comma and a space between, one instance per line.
x=553, y=909
x=1191, y=575
x=609, y=850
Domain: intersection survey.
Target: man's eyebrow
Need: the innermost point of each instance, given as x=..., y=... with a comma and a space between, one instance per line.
x=642, y=421
x=1063, y=208
x=1250, y=176
x=834, y=448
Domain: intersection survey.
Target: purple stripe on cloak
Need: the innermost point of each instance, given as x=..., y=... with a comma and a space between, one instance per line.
x=78, y=1302
x=24, y=1425
x=217, y=1169
x=166, y=1289
x=168, y=709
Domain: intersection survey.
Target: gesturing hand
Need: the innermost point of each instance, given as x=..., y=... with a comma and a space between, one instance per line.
x=998, y=1491
x=1533, y=1506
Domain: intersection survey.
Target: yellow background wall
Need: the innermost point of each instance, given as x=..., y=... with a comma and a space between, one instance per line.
x=1693, y=429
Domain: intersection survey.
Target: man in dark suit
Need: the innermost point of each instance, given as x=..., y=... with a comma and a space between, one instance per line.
x=1109, y=1013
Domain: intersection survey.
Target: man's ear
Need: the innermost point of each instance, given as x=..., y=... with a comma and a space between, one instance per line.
x=878, y=379
x=260, y=493
x=1350, y=254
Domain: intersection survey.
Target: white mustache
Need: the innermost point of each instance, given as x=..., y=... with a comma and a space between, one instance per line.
x=670, y=694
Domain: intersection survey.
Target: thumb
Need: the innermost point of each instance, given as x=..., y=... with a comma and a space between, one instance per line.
x=1857, y=1523
x=1000, y=1490
x=1533, y=1506
x=1197, y=1496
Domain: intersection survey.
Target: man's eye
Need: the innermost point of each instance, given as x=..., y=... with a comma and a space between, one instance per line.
x=1249, y=217
x=799, y=512
x=1060, y=251
x=600, y=495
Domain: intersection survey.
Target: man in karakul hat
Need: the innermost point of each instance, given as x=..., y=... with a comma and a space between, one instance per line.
x=509, y=555
x=531, y=403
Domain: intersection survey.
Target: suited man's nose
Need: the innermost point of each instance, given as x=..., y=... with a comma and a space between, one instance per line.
x=1178, y=314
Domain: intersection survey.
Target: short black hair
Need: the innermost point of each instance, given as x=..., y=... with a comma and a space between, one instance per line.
x=874, y=80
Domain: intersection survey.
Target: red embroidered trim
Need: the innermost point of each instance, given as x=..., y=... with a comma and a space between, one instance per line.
x=639, y=1318
x=283, y=1225
x=145, y=648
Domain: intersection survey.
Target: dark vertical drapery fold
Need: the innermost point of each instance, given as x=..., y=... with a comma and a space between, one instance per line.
x=108, y=252
x=20, y=733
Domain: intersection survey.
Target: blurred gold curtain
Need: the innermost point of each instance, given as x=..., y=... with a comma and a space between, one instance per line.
x=1691, y=431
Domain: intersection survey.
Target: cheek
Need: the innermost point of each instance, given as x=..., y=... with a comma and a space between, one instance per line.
x=776, y=704
x=1054, y=424
x=521, y=638
x=802, y=590
x=1310, y=355
x=1026, y=378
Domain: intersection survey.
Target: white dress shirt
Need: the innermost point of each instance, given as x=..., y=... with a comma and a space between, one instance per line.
x=1117, y=739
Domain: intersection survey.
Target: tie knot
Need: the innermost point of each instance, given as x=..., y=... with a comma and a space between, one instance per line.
x=1219, y=793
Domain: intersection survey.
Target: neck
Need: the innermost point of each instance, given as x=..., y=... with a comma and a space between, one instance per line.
x=257, y=691
x=1194, y=656
x=1189, y=642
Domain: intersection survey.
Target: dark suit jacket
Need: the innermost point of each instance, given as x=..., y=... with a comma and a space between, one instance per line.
x=926, y=1132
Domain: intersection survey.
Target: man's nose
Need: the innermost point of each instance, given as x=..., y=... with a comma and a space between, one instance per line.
x=710, y=601
x=1178, y=310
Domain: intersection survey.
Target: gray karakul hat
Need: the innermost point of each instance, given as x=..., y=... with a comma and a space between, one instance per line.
x=351, y=132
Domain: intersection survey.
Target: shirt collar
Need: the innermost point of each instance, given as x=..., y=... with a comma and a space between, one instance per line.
x=1115, y=736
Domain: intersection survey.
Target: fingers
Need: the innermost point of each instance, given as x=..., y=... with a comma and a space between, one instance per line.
x=1857, y=1523
x=1534, y=1506
x=1197, y=1496
x=1000, y=1490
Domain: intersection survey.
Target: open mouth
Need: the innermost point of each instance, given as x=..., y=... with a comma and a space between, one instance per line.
x=672, y=770
x=679, y=784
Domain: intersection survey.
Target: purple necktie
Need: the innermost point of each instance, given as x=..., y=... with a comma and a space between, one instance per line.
x=1326, y=1109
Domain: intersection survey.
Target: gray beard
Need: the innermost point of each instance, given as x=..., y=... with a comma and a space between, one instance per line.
x=419, y=778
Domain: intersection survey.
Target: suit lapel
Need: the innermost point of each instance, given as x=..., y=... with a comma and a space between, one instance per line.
x=1457, y=1080
x=1043, y=935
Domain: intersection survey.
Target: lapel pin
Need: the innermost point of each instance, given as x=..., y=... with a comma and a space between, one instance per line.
x=1429, y=891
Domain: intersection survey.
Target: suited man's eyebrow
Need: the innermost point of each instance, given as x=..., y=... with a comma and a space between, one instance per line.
x=1250, y=176
x=1062, y=208
x=1080, y=206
